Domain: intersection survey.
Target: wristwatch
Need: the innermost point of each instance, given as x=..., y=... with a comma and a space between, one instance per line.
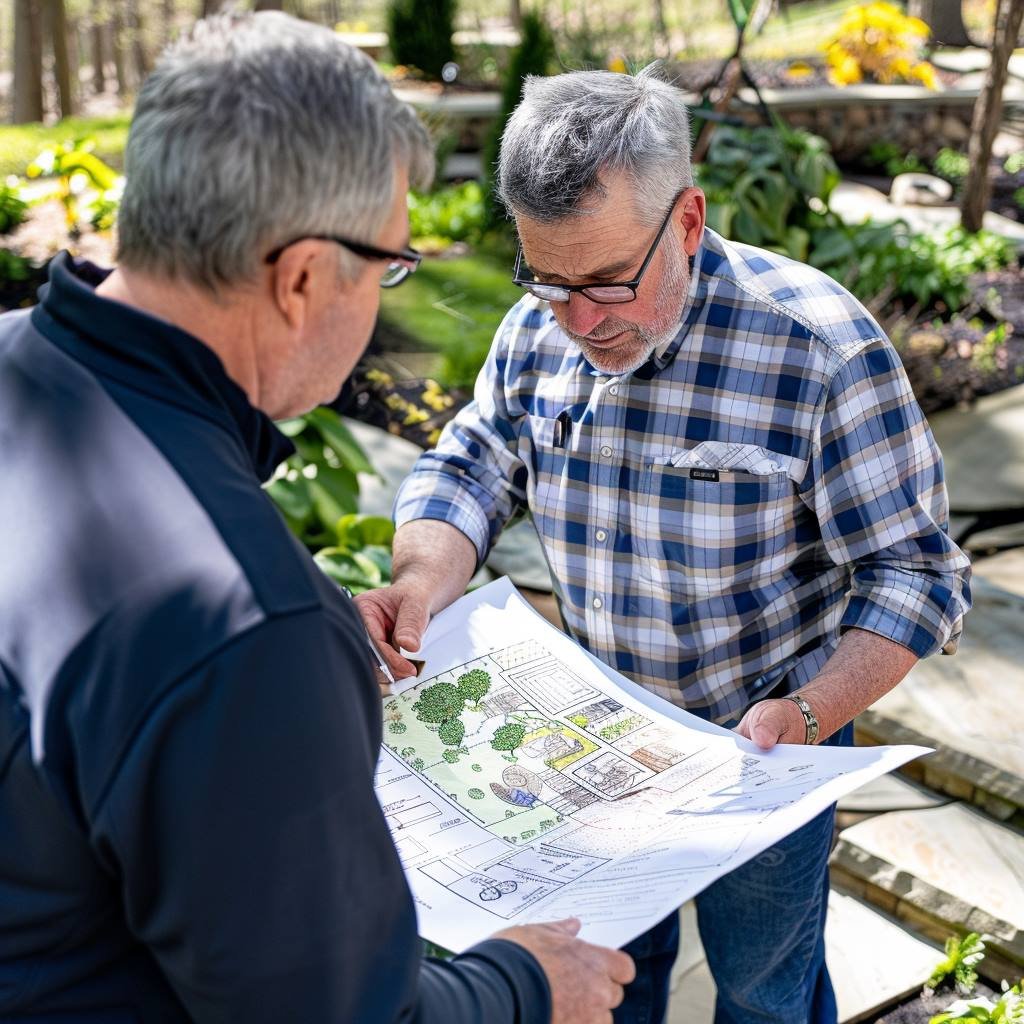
x=810, y=722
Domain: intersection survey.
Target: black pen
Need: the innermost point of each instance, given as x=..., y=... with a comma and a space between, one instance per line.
x=563, y=429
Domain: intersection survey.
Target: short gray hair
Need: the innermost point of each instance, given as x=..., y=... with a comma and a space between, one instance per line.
x=569, y=129
x=253, y=130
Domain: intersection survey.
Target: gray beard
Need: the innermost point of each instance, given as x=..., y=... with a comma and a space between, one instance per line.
x=647, y=340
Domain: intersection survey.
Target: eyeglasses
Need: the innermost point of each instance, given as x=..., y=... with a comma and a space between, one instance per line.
x=400, y=264
x=618, y=291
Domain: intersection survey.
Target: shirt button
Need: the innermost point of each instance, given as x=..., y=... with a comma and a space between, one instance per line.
x=601, y=536
x=606, y=451
x=614, y=389
x=597, y=602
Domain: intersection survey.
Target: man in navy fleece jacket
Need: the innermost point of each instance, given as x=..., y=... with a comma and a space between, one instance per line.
x=189, y=720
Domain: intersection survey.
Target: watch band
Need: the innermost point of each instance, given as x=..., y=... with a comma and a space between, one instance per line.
x=810, y=722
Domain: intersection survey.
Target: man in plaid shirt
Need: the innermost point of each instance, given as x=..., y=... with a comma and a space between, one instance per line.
x=739, y=498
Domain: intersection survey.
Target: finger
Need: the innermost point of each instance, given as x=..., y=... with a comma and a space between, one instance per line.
x=621, y=967
x=410, y=623
x=569, y=926
x=378, y=625
x=768, y=729
x=616, y=995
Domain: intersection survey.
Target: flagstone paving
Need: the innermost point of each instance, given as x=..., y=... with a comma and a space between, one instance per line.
x=945, y=869
x=983, y=451
x=1005, y=570
x=872, y=959
x=967, y=707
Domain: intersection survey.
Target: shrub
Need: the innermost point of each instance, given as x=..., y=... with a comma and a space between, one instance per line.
x=452, y=732
x=12, y=209
x=535, y=55
x=877, y=40
x=420, y=34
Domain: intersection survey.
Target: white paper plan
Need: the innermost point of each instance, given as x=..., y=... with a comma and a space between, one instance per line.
x=525, y=781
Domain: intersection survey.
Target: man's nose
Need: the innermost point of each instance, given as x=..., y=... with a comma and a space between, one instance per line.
x=582, y=315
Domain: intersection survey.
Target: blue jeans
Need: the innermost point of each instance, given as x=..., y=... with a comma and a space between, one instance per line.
x=763, y=929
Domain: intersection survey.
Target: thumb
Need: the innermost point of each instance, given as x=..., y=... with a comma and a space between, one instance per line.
x=410, y=622
x=769, y=728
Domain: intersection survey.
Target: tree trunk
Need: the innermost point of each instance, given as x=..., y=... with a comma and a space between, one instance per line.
x=99, y=75
x=988, y=112
x=28, y=62
x=268, y=5
x=208, y=7
x=515, y=13
x=945, y=19
x=115, y=34
x=167, y=20
x=660, y=27
x=137, y=30
x=57, y=29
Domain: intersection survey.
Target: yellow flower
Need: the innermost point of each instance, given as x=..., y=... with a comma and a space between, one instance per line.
x=618, y=65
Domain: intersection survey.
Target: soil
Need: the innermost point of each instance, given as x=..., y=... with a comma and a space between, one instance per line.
x=921, y=1007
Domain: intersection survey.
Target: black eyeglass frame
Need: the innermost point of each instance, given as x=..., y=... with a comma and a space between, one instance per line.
x=529, y=285
x=370, y=252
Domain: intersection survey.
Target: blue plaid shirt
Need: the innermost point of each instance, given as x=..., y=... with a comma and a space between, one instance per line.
x=714, y=520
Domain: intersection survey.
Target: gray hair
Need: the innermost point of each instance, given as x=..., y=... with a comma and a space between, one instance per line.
x=254, y=130
x=569, y=129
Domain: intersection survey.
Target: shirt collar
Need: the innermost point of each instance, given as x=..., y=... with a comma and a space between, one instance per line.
x=150, y=355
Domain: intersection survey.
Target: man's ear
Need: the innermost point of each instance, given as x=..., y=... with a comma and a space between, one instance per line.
x=295, y=279
x=692, y=216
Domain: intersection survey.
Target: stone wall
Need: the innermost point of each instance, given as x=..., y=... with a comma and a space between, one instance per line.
x=852, y=123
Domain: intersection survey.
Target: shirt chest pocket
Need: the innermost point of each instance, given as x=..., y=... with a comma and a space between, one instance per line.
x=706, y=532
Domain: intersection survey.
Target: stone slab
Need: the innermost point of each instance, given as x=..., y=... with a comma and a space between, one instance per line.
x=966, y=706
x=1005, y=570
x=983, y=450
x=952, y=863
x=872, y=959
x=890, y=793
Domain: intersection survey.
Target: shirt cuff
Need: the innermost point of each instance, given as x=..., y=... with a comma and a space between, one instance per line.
x=921, y=612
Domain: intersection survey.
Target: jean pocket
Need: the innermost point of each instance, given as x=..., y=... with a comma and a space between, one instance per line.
x=711, y=531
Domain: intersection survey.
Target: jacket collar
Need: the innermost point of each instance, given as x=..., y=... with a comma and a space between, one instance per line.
x=150, y=355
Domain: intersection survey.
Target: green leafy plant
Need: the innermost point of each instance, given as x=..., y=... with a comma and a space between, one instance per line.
x=83, y=180
x=874, y=259
x=765, y=185
x=318, y=485
x=1008, y=1009
x=13, y=209
x=962, y=958
x=420, y=34
x=456, y=213
x=892, y=159
x=1014, y=163
x=951, y=165
x=360, y=559
x=14, y=268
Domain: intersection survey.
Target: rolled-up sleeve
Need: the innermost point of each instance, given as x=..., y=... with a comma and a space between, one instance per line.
x=474, y=479
x=875, y=484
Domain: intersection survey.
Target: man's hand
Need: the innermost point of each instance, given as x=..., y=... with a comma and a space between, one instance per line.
x=396, y=616
x=773, y=721
x=586, y=981
x=432, y=564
